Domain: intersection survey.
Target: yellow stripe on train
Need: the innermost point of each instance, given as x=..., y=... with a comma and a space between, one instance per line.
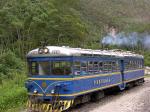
x=63, y=105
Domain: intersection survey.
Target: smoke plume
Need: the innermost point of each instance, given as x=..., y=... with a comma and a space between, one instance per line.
x=130, y=40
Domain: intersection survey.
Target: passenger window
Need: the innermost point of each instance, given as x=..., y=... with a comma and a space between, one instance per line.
x=114, y=66
x=90, y=67
x=109, y=66
x=105, y=67
x=100, y=67
x=83, y=68
x=141, y=63
x=96, y=67
x=44, y=68
x=127, y=65
x=77, y=68
x=133, y=64
x=61, y=68
x=34, y=68
x=130, y=65
x=136, y=64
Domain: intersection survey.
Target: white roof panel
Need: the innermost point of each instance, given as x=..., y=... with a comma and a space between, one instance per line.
x=67, y=51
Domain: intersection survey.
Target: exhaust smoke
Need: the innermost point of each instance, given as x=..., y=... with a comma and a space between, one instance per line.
x=129, y=40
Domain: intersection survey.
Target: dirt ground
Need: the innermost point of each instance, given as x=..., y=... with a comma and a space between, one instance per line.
x=136, y=99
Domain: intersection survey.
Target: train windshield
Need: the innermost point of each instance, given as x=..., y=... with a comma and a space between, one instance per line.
x=50, y=68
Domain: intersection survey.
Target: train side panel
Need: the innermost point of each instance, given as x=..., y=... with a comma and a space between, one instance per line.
x=87, y=85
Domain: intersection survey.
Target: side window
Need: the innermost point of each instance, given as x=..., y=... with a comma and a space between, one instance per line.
x=117, y=66
x=61, y=68
x=44, y=68
x=83, y=68
x=109, y=66
x=101, y=67
x=105, y=67
x=133, y=64
x=137, y=64
x=127, y=65
x=77, y=68
x=142, y=63
x=114, y=65
x=90, y=67
x=33, y=68
x=96, y=67
x=130, y=65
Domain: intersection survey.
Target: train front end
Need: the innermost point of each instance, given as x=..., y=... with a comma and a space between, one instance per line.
x=50, y=81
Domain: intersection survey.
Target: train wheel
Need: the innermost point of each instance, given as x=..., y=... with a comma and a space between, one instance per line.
x=97, y=96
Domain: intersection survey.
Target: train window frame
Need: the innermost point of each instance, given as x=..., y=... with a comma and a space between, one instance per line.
x=130, y=65
x=36, y=70
x=105, y=70
x=31, y=68
x=84, y=68
x=42, y=69
x=90, y=67
x=114, y=66
x=110, y=69
x=63, y=69
x=127, y=65
x=76, y=71
x=96, y=66
x=101, y=66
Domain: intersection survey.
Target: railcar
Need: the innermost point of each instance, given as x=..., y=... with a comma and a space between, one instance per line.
x=61, y=77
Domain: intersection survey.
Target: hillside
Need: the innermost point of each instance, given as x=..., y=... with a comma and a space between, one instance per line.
x=128, y=16
x=117, y=12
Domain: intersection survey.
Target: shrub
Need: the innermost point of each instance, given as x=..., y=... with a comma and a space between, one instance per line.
x=10, y=63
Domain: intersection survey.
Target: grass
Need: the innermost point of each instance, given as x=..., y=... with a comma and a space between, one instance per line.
x=12, y=94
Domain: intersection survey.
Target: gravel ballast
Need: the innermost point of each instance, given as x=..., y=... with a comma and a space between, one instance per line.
x=137, y=99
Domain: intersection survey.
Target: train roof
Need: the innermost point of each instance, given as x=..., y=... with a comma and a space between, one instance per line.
x=68, y=51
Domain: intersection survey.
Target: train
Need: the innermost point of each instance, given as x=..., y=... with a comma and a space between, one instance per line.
x=61, y=77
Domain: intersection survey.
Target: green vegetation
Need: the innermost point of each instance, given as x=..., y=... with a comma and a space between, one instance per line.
x=12, y=76
x=12, y=95
x=24, y=24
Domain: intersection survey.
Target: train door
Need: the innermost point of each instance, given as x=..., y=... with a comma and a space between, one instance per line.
x=122, y=85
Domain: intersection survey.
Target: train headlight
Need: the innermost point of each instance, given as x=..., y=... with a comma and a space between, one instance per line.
x=46, y=50
x=35, y=91
x=43, y=50
x=40, y=51
x=52, y=91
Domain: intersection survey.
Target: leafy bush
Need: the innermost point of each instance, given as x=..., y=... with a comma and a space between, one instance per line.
x=10, y=64
x=12, y=96
x=12, y=77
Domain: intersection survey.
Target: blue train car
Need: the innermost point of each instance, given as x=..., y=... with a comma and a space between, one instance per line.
x=60, y=77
